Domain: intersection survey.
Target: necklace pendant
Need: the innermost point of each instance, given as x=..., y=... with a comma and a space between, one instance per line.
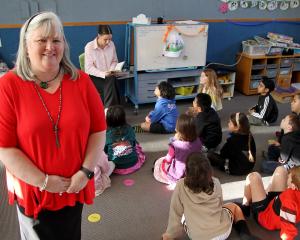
x=44, y=85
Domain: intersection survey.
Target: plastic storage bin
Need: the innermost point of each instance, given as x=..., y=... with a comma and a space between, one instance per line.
x=275, y=51
x=184, y=91
x=272, y=65
x=258, y=66
x=254, y=84
x=251, y=48
x=284, y=71
x=256, y=77
x=271, y=72
x=286, y=62
x=296, y=64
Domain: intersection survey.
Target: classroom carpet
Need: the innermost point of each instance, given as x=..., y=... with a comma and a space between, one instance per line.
x=136, y=206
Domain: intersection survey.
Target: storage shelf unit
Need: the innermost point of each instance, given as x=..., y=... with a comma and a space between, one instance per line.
x=284, y=70
x=227, y=82
x=142, y=91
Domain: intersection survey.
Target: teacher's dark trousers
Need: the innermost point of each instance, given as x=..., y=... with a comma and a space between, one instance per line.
x=63, y=224
x=108, y=89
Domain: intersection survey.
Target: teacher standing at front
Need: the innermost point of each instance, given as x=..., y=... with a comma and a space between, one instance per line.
x=100, y=60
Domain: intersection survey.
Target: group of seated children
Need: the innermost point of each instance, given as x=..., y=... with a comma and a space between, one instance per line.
x=197, y=207
x=192, y=152
x=287, y=144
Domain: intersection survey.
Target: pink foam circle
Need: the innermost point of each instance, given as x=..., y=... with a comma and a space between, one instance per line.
x=128, y=182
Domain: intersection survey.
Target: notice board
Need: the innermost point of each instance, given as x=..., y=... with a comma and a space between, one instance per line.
x=150, y=43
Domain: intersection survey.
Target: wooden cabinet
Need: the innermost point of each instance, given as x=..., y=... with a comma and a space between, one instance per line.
x=284, y=70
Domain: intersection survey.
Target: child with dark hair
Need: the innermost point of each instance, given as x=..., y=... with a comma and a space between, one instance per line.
x=266, y=111
x=208, y=124
x=276, y=208
x=271, y=159
x=197, y=206
x=238, y=154
x=100, y=59
x=163, y=118
x=121, y=145
x=170, y=168
x=295, y=104
x=289, y=151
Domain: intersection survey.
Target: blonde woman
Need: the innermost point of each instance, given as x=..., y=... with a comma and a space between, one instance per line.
x=52, y=128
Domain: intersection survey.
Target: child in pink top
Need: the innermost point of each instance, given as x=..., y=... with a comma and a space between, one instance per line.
x=170, y=168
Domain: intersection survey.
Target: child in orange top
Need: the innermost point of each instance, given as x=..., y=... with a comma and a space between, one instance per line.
x=209, y=84
x=278, y=207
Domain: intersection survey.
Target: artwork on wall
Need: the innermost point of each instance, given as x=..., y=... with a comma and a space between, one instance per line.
x=232, y=5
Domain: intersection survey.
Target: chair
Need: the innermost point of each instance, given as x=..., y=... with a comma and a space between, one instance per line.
x=81, y=61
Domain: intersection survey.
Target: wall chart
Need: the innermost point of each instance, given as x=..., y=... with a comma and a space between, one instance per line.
x=270, y=5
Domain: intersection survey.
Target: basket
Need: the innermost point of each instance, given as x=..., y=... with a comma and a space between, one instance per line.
x=184, y=91
x=252, y=48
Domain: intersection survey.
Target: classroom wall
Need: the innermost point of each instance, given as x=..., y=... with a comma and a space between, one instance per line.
x=226, y=31
x=224, y=38
x=16, y=11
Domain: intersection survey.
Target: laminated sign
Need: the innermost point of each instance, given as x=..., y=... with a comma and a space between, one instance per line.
x=173, y=44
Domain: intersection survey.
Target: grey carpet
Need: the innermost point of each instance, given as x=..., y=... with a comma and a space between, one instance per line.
x=141, y=211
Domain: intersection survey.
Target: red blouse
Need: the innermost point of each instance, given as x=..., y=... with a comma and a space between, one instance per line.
x=24, y=124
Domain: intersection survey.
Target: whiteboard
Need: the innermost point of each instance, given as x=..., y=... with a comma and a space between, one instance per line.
x=149, y=47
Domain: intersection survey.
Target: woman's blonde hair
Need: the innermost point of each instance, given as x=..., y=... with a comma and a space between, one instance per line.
x=213, y=83
x=51, y=24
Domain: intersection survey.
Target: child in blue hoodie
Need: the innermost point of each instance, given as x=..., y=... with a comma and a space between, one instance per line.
x=163, y=118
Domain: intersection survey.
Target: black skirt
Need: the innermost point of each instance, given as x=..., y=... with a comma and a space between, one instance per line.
x=108, y=90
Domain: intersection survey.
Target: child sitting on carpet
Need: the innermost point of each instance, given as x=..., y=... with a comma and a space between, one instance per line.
x=289, y=153
x=163, y=118
x=265, y=111
x=121, y=145
x=208, y=123
x=238, y=154
x=209, y=84
x=278, y=207
x=273, y=153
x=170, y=168
x=197, y=206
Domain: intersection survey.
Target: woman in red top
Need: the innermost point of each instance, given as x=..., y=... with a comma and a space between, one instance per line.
x=52, y=128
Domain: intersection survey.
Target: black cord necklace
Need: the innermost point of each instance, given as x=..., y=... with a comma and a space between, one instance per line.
x=44, y=84
x=54, y=124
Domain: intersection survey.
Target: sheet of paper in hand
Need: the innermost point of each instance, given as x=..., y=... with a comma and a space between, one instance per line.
x=119, y=67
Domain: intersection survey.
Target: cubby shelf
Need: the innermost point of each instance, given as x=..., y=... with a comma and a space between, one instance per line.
x=284, y=70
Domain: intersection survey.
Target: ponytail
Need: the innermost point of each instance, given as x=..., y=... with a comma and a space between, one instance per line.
x=250, y=156
x=243, y=126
